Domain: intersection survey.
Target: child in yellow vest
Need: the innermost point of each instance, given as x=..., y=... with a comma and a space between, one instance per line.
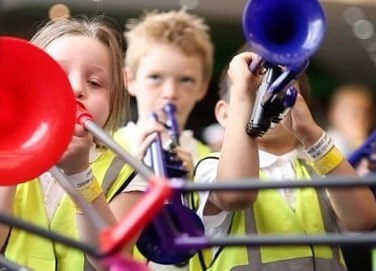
x=90, y=52
x=282, y=153
x=169, y=59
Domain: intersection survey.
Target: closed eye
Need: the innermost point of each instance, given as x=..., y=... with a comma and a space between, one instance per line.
x=187, y=80
x=154, y=78
x=95, y=83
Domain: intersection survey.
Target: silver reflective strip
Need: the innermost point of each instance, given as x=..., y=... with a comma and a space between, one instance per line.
x=88, y=266
x=111, y=173
x=329, y=221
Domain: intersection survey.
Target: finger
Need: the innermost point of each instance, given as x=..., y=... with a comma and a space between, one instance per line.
x=80, y=130
x=186, y=158
x=143, y=145
x=148, y=127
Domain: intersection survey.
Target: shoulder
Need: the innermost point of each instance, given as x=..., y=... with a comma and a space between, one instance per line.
x=127, y=129
x=203, y=148
x=206, y=168
x=210, y=156
x=124, y=135
x=190, y=143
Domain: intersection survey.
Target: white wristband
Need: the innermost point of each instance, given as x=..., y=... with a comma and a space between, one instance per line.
x=322, y=146
x=81, y=179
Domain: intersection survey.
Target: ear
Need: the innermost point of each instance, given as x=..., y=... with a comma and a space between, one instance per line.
x=220, y=112
x=130, y=78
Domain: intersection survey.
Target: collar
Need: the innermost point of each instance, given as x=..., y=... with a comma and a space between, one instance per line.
x=267, y=159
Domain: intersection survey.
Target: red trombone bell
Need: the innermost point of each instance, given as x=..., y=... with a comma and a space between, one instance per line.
x=37, y=111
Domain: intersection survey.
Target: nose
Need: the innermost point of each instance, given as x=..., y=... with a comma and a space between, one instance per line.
x=170, y=90
x=78, y=86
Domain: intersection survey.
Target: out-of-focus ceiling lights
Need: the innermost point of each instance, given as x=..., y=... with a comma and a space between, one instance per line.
x=188, y=4
x=363, y=29
x=58, y=11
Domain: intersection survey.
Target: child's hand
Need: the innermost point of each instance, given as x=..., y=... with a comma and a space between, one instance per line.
x=186, y=158
x=300, y=123
x=76, y=156
x=243, y=81
x=146, y=133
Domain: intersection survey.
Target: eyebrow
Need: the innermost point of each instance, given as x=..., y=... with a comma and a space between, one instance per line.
x=100, y=70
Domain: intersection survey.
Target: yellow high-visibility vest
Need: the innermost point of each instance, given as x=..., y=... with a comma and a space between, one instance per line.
x=270, y=214
x=42, y=254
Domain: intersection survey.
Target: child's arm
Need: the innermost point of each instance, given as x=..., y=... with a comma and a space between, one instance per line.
x=75, y=164
x=6, y=203
x=355, y=207
x=239, y=153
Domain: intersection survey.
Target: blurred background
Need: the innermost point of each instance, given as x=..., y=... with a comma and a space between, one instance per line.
x=347, y=54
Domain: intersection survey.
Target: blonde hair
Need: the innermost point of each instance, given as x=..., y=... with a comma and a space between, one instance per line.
x=102, y=31
x=187, y=32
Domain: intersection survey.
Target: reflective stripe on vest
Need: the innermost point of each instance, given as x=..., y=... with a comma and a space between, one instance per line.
x=111, y=188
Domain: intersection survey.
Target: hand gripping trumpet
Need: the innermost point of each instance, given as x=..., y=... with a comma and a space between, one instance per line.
x=284, y=34
x=157, y=241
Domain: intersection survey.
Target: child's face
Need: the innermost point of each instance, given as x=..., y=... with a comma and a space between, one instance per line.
x=87, y=65
x=165, y=75
x=351, y=113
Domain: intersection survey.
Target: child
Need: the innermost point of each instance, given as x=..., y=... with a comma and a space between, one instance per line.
x=89, y=51
x=277, y=156
x=351, y=116
x=169, y=59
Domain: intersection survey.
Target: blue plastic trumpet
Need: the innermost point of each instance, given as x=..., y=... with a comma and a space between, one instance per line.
x=283, y=34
